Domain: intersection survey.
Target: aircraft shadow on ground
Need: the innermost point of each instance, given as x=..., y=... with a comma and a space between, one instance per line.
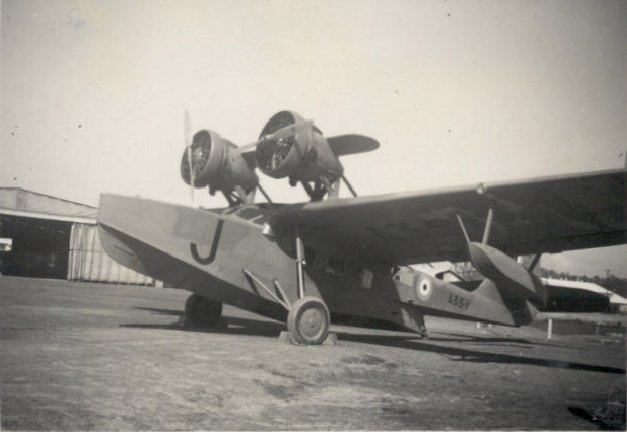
x=468, y=355
x=171, y=312
x=501, y=341
x=454, y=337
x=253, y=327
x=603, y=422
x=228, y=325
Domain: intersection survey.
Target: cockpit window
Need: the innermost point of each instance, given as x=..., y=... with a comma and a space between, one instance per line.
x=449, y=276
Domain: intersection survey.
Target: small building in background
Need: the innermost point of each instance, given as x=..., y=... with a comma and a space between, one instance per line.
x=49, y=237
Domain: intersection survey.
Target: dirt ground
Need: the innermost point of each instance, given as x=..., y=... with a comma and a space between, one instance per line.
x=109, y=357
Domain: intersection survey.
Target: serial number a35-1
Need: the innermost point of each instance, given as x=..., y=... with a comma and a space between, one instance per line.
x=458, y=301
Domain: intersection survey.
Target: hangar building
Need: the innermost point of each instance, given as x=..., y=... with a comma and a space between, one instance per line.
x=583, y=296
x=45, y=236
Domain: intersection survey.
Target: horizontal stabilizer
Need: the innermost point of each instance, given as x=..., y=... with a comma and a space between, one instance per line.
x=350, y=144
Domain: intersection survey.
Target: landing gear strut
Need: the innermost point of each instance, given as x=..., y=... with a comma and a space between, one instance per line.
x=202, y=312
x=308, y=318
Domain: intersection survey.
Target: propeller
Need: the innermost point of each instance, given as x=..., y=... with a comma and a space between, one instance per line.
x=278, y=144
x=188, y=143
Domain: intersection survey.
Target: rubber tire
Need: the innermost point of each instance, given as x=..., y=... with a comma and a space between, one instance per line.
x=308, y=321
x=202, y=312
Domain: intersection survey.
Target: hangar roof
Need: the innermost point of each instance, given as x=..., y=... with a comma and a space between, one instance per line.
x=20, y=202
x=588, y=286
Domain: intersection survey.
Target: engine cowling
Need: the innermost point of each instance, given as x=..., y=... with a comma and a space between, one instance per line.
x=217, y=163
x=303, y=156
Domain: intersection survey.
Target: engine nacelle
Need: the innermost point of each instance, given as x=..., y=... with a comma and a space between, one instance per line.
x=217, y=163
x=304, y=156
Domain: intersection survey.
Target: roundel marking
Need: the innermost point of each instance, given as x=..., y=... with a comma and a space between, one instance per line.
x=424, y=289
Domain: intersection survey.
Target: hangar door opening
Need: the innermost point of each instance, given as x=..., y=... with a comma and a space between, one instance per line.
x=40, y=247
x=89, y=262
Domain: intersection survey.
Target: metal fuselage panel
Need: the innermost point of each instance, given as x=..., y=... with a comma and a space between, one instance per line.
x=197, y=250
x=207, y=251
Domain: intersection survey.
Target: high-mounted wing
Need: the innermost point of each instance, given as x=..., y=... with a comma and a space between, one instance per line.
x=548, y=214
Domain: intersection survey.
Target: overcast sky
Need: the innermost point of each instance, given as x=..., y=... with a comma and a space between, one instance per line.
x=457, y=92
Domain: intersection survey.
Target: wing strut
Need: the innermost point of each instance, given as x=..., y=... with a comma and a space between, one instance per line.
x=488, y=226
x=300, y=260
x=461, y=225
x=318, y=191
x=535, y=262
x=486, y=230
x=263, y=192
x=349, y=186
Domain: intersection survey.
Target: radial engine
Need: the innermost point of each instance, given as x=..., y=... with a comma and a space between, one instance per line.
x=218, y=163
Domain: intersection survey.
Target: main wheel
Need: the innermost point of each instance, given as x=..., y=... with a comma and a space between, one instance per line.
x=202, y=312
x=308, y=321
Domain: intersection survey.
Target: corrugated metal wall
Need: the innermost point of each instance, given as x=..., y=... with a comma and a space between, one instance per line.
x=88, y=262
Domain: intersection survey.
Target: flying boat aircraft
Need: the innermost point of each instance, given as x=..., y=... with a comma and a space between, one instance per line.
x=345, y=260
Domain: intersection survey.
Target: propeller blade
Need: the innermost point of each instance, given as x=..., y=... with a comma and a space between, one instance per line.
x=188, y=143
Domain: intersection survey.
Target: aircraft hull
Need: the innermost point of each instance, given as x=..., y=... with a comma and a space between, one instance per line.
x=209, y=253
